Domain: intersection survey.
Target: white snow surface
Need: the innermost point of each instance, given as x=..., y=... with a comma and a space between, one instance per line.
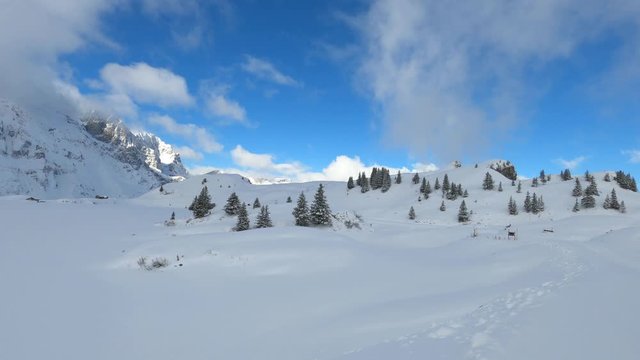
x=51, y=155
x=389, y=288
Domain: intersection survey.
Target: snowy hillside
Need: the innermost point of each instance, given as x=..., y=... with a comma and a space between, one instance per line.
x=385, y=287
x=63, y=157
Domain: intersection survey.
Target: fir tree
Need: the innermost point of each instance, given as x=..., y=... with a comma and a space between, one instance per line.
x=232, y=207
x=398, y=178
x=301, y=211
x=161, y=188
x=193, y=203
x=386, y=180
x=519, y=187
x=465, y=194
x=513, y=183
x=437, y=184
x=459, y=190
x=264, y=218
x=607, y=202
x=488, y=183
x=364, y=187
x=543, y=177
x=443, y=207
x=614, y=200
x=500, y=186
x=623, y=207
x=359, y=181
x=256, y=204
x=289, y=199
x=513, y=207
x=587, y=175
x=577, y=190
x=540, y=204
x=319, y=212
x=373, y=179
x=416, y=178
x=427, y=188
x=350, y=184
x=445, y=183
x=243, y=219
x=202, y=205
x=173, y=215
x=588, y=202
x=607, y=177
x=534, y=204
x=463, y=213
x=412, y=214
x=423, y=186
x=592, y=189
x=576, y=207
x=527, y=203
x=534, y=182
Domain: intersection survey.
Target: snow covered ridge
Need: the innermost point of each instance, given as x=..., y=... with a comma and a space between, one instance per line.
x=55, y=155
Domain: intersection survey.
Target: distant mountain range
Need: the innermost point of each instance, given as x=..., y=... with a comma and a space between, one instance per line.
x=56, y=155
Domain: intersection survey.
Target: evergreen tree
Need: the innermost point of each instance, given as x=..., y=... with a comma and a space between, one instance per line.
x=443, y=207
x=359, y=181
x=350, y=184
x=576, y=207
x=459, y=189
x=513, y=207
x=623, y=207
x=488, y=183
x=319, y=212
x=519, y=187
x=289, y=199
x=534, y=204
x=173, y=215
x=543, y=177
x=193, y=203
x=577, y=190
x=416, y=178
x=513, y=183
x=527, y=203
x=161, y=188
x=588, y=202
x=256, y=204
x=500, y=186
x=534, y=182
x=202, y=205
x=437, y=184
x=232, y=207
x=301, y=211
x=364, y=187
x=386, y=180
x=373, y=179
x=592, y=189
x=614, y=200
x=398, y=178
x=427, y=188
x=423, y=186
x=445, y=183
x=607, y=177
x=463, y=213
x=588, y=176
x=540, y=204
x=264, y=218
x=607, y=202
x=243, y=219
x=465, y=194
x=412, y=214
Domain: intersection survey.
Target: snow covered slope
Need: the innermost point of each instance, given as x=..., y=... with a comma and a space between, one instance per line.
x=388, y=288
x=62, y=157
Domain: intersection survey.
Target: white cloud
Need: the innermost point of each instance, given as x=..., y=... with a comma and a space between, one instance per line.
x=197, y=135
x=34, y=34
x=256, y=165
x=570, y=164
x=427, y=62
x=265, y=70
x=147, y=84
x=634, y=155
x=188, y=153
x=226, y=108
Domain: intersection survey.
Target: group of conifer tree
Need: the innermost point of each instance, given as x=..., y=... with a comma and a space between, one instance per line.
x=380, y=179
x=319, y=213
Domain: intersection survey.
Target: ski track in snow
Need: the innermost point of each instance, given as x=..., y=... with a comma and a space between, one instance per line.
x=474, y=331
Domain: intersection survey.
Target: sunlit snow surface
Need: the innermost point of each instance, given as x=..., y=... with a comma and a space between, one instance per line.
x=393, y=289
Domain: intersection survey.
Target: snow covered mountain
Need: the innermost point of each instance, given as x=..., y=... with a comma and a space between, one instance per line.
x=55, y=155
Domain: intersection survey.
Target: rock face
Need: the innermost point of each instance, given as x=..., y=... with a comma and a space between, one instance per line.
x=506, y=168
x=54, y=156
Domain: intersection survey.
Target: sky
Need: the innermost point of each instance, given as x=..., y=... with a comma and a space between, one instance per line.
x=311, y=90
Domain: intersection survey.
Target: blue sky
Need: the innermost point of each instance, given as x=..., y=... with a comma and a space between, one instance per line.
x=318, y=89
